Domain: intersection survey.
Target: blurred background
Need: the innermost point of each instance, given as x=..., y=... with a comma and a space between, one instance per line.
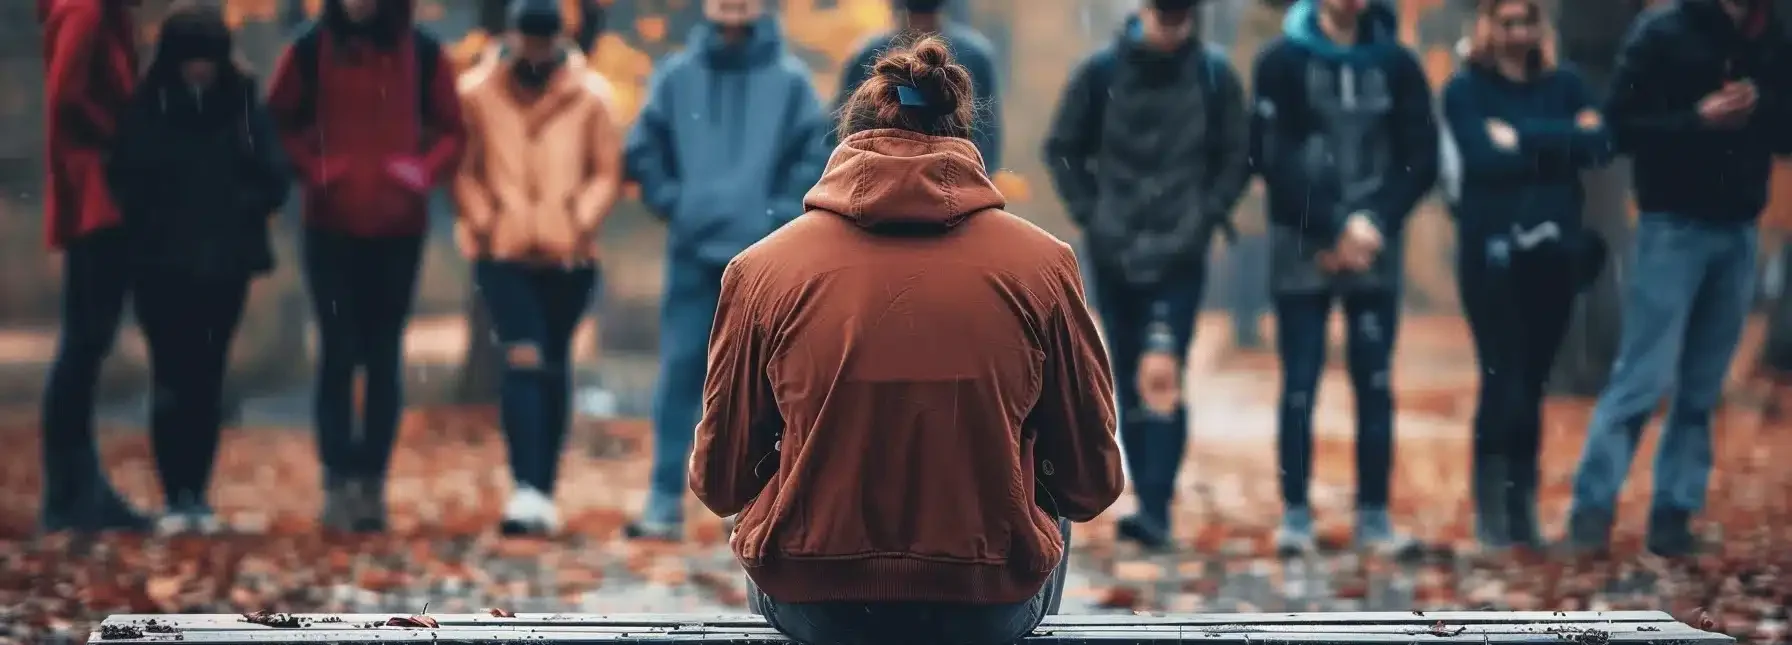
x=449, y=481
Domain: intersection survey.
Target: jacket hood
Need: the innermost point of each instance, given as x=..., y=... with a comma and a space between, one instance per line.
x=879, y=178
x=762, y=45
x=1380, y=27
x=1131, y=43
x=495, y=65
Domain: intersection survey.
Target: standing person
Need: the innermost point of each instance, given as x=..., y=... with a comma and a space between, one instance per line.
x=1525, y=128
x=197, y=172
x=1247, y=258
x=729, y=140
x=1701, y=99
x=1149, y=201
x=543, y=168
x=90, y=69
x=1344, y=138
x=367, y=108
x=920, y=18
x=906, y=390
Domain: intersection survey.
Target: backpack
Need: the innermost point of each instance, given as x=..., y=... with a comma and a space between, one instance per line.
x=307, y=48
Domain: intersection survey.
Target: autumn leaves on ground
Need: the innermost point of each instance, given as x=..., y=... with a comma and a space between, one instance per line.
x=450, y=481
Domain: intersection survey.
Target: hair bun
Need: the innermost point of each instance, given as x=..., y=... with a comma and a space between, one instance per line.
x=926, y=69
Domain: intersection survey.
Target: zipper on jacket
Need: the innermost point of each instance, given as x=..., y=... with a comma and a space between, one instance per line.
x=1347, y=86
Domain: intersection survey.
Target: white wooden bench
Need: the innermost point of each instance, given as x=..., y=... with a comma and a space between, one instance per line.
x=1559, y=628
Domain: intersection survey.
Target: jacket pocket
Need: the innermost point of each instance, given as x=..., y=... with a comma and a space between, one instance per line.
x=362, y=189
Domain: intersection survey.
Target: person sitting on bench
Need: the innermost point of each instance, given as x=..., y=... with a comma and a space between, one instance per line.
x=907, y=395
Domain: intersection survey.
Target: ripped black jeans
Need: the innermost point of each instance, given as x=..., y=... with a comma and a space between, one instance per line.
x=1372, y=318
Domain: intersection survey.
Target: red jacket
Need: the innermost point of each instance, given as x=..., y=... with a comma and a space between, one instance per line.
x=365, y=116
x=90, y=60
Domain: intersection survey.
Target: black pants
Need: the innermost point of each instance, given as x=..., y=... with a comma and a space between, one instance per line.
x=96, y=277
x=1152, y=444
x=188, y=324
x=1518, y=306
x=361, y=291
x=1372, y=318
x=538, y=308
x=857, y=623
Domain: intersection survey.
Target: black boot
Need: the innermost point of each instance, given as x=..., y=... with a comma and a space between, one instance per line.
x=1589, y=529
x=1521, y=514
x=1670, y=533
x=78, y=497
x=1144, y=530
x=1491, y=491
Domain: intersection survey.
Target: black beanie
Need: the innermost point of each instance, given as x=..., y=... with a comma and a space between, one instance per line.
x=537, y=17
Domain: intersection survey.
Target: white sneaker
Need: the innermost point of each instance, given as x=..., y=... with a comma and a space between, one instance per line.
x=172, y=524
x=529, y=512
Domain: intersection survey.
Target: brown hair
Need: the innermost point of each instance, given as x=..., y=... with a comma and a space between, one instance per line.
x=927, y=69
x=1480, y=38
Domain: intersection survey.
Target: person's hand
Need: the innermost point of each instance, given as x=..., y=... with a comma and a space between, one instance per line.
x=1589, y=120
x=1361, y=236
x=1729, y=107
x=409, y=173
x=1160, y=382
x=1502, y=134
x=1344, y=261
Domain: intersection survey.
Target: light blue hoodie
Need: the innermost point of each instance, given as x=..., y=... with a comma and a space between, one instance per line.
x=728, y=142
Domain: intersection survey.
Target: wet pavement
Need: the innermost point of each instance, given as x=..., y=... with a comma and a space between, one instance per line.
x=449, y=484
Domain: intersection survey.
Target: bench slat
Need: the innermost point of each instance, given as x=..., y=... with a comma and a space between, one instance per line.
x=1588, y=628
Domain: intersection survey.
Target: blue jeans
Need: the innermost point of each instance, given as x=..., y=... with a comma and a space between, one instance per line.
x=1152, y=444
x=1372, y=318
x=1685, y=302
x=539, y=308
x=686, y=313
x=857, y=623
x=1249, y=289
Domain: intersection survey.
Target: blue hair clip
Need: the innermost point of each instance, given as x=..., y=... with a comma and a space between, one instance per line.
x=910, y=97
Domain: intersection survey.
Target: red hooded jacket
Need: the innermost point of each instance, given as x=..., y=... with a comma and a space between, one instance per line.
x=364, y=116
x=90, y=59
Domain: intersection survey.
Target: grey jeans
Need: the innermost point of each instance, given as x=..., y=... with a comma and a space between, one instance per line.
x=854, y=623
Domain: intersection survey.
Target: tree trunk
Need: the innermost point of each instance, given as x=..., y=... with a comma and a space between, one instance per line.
x=483, y=368
x=1591, y=34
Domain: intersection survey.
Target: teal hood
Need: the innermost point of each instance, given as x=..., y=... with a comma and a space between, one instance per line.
x=1380, y=29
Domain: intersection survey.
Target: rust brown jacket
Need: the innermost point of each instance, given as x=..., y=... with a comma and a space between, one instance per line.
x=898, y=380
x=540, y=172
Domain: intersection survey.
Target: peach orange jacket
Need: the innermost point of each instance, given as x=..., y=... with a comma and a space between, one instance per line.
x=540, y=172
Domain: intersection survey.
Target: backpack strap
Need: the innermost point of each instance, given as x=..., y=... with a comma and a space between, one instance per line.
x=428, y=57
x=305, y=51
